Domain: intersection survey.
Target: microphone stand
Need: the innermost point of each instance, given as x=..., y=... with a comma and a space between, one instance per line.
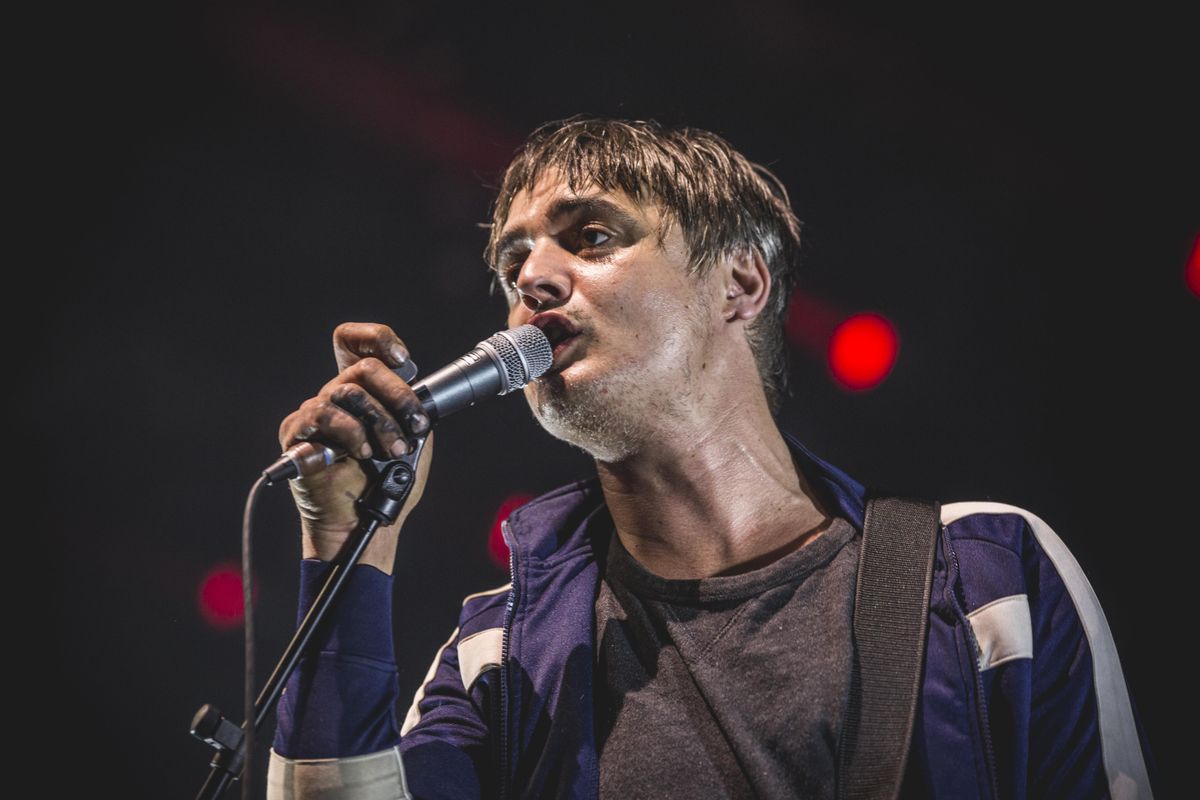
x=389, y=483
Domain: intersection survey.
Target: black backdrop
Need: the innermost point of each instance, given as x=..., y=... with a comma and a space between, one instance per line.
x=1013, y=187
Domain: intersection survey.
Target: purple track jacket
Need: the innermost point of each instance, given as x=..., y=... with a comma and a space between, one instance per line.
x=1022, y=693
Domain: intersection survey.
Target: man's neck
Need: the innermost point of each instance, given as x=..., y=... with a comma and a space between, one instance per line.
x=717, y=499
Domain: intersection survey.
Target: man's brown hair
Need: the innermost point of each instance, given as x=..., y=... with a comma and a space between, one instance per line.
x=721, y=201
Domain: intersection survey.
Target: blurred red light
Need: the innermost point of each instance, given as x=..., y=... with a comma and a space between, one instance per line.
x=862, y=351
x=497, y=549
x=1192, y=272
x=220, y=596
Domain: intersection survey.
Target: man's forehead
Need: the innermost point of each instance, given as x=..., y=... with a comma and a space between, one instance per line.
x=551, y=195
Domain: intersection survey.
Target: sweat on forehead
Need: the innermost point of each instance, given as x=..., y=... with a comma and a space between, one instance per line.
x=557, y=198
x=583, y=196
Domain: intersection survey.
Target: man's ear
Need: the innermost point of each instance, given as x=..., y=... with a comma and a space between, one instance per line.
x=747, y=283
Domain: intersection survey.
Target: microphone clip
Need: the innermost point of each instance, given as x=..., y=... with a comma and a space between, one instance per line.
x=389, y=483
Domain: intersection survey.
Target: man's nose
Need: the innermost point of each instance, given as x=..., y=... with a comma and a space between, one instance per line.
x=545, y=278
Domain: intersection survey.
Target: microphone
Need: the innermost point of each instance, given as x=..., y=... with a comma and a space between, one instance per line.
x=502, y=363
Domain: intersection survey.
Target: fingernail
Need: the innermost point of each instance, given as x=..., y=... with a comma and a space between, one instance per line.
x=418, y=422
x=365, y=450
x=399, y=448
x=399, y=356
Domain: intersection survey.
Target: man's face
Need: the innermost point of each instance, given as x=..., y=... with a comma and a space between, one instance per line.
x=629, y=324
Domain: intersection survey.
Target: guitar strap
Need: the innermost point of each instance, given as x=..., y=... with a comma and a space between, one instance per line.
x=891, y=615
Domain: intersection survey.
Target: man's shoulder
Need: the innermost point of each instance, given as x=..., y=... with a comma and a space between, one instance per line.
x=1001, y=525
x=1012, y=566
x=556, y=523
x=483, y=611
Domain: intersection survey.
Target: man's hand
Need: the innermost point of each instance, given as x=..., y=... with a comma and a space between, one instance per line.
x=366, y=410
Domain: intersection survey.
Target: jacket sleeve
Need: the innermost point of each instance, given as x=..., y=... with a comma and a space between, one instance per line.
x=1062, y=720
x=1083, y=725
x=336, y=730
x=337, y=735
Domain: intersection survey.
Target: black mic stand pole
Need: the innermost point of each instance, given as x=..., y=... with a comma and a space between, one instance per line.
x=389, y=484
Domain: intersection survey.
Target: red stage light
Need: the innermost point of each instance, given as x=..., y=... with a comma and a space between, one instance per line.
x=497, y=549
x=862, y=351
x=1192, y=272
x=220, y=596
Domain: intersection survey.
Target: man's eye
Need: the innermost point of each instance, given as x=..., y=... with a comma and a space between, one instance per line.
x=508, y=271
x=594, y=237
x=508, y=275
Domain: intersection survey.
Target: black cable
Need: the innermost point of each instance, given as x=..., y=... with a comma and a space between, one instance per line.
x=248, y=616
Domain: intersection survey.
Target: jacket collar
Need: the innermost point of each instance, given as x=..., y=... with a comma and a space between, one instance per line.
x=555, y=524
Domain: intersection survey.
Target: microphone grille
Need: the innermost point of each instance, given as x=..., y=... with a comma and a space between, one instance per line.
x=525, y=353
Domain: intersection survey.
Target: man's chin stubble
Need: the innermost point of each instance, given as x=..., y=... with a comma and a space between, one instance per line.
x=585, y=417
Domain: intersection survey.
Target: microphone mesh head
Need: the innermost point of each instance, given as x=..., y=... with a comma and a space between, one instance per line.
x=525, y=353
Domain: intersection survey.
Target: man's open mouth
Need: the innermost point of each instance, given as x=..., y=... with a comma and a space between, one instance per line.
x=558, y=329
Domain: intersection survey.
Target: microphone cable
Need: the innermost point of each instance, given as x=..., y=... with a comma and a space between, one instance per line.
x=248, y=632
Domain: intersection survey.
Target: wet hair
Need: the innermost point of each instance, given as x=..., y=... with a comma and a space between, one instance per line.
x=722, y=202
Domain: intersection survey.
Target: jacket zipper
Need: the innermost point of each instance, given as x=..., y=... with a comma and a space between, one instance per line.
x=509, y=610
x=981, y=702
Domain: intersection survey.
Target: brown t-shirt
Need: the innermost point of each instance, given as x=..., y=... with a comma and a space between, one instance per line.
x=725, y=687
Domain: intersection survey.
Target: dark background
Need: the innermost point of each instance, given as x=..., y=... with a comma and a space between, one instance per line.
x=1013, y=187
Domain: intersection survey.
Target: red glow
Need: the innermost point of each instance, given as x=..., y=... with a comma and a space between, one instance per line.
x=810, y=323
x=220, y=596
x=344, y=81
x=497, y=549
x=862, y=351
x=1192, y=272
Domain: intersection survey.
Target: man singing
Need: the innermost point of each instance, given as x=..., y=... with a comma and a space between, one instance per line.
x=681, y=625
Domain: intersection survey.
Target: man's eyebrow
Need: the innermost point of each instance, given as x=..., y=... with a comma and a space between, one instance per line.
x=571, y=206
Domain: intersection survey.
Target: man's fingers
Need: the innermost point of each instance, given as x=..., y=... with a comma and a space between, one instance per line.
x=367, y=409
x=390, y=390
x=383, y=433
x=319, y=419
x=354, y=341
